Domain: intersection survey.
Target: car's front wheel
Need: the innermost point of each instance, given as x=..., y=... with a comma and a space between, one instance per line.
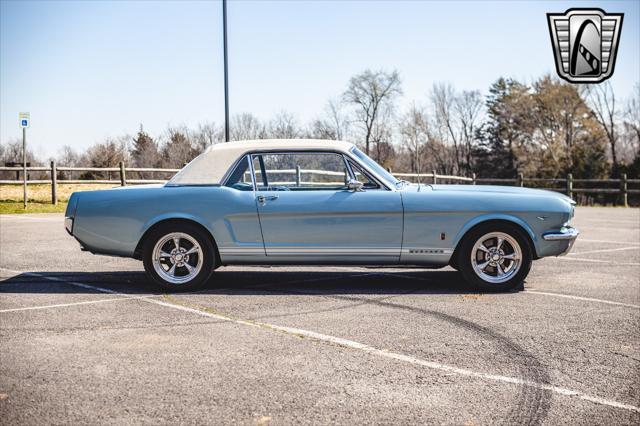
x=495, y=257
x=178, y=256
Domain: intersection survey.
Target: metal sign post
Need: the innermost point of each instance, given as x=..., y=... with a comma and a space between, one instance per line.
x=226, y=71
x=24, y=119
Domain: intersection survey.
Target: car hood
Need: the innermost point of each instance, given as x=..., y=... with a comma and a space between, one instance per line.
x=491, y=189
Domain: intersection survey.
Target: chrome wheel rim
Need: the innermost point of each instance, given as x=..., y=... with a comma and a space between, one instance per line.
x=496, y=257
x=177, y=258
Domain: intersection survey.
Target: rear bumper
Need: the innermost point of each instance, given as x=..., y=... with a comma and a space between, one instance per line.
x=68, y=225
x=567, y=234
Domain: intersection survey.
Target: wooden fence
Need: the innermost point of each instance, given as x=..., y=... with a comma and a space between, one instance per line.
x=622, y=185
x=622, y=189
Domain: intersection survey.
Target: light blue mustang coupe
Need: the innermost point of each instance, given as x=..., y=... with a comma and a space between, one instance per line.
x=300, y=202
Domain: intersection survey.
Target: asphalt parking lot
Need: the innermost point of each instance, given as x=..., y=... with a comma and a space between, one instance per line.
x=85, y=339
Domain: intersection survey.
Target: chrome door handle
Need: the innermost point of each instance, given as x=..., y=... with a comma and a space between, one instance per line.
x=264, y=198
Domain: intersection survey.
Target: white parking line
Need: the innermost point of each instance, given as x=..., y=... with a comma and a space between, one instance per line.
x=606, y=241
x=121, y=296
x=608, y=229
x=620, y=221
x=604, y=250
x=581, y=259
x=31, y=218
x=544, y=293
x=371, y=350
x=588, y=299
x=63, y=305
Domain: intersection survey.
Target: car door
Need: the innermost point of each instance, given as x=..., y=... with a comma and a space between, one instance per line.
x=308, y=215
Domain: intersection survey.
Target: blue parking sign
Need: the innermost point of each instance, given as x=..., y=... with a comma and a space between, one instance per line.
x=23, y=119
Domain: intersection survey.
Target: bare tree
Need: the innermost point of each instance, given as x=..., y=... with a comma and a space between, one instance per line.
x=334, y=125
x=602, y=100
x=283, y=126
x=106, y=154
x=468, y=107
x=69, y=157
x=381, y=137
x=207, y=134
x=11, y=152
x=414, y=130
x=632, y=121
x=246, y=126
x=443, y=99
x=370, y=92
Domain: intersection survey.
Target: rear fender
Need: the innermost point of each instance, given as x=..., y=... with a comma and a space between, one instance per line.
x=166, y=217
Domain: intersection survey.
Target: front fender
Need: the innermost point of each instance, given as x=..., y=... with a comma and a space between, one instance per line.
x=497, y=216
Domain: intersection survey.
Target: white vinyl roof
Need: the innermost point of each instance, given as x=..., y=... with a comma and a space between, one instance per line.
x=210, y=167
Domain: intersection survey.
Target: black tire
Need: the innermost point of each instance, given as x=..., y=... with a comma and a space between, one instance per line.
x=207, y=251
x=466, y=267
x=454, y=262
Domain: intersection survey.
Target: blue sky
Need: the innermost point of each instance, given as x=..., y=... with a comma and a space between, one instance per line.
x=87, y=70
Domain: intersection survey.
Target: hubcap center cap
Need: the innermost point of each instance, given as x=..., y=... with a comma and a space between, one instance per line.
x=495, y=257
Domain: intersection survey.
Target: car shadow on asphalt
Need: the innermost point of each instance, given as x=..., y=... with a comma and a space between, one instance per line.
x=257, y=281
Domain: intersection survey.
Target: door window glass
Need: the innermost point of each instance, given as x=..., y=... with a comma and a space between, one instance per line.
x=240, y=179
x=300, y=172
x=375, y=167
x=361, y=176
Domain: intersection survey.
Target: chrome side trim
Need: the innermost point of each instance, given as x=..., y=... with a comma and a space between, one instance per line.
x=354, y=251
x=302, y=251
x=241, y=250
x=342, y=250
x=426, y=250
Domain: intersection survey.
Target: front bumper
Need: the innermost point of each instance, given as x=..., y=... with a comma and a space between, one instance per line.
x=566, y=233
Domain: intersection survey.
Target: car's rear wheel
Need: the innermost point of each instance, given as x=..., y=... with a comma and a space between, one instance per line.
x=495, y=257
x=178, y=256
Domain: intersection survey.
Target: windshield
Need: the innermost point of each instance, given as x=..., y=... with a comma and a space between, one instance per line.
x=375, y=167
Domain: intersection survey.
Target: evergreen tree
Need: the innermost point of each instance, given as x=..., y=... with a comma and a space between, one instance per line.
x=145, y=150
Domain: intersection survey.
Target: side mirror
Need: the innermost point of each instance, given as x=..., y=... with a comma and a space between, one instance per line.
x=354, y=185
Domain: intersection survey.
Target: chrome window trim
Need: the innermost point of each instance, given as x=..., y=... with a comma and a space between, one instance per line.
x=225, y=178
x=289, y=152
x=233, y=168
x=384, y=185
x=390, y=185
x=345, y=156
x=249, y=158
x=366, y=172
x=348, y=167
